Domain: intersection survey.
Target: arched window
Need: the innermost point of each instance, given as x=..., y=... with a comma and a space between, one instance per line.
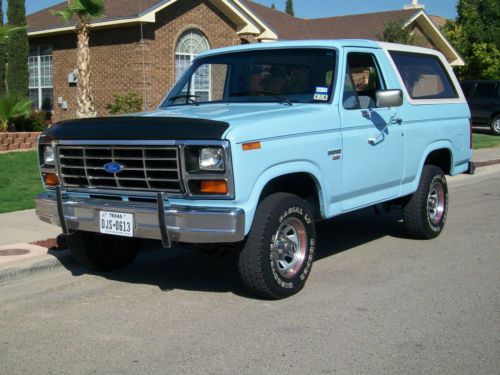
x=190, y=44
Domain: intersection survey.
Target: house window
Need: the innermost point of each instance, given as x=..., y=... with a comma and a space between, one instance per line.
x=188, y=47
x=40, y=82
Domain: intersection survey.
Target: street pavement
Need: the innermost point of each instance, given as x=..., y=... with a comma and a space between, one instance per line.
x=376, y=303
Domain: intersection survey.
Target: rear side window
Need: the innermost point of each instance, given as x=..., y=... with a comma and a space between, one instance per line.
x=424, y=76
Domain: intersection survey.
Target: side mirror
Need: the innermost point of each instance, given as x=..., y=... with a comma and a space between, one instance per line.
x=389, y=98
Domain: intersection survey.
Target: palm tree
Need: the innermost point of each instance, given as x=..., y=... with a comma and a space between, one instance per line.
x=13, y=107
x=85, y=11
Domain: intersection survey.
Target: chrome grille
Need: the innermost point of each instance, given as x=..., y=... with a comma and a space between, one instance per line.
x=144, y=168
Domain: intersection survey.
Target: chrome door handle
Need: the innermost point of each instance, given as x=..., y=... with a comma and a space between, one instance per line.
x=396, y=120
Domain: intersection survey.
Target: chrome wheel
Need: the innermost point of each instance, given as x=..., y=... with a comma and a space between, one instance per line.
x=289, y=247
x=436, y=203
x=496, y=125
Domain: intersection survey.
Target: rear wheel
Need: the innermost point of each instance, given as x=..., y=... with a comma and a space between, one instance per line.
x=102, y=252
x=426, y=211
x=279, y=252
x=495, y=125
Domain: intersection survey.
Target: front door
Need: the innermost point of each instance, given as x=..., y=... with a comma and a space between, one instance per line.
x=372, y=138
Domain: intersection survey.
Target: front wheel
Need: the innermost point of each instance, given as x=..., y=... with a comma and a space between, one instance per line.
x=279, y=252
x=101, y=252
x=426, y=211
x=495, y=125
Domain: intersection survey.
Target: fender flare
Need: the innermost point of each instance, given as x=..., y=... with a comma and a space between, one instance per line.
x=438, y=145
x=277, y=170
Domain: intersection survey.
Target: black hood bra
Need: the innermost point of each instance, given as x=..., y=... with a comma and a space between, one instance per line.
x=136, y=128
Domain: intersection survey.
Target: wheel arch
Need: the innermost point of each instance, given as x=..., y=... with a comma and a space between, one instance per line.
x=440, y=157
x=285, y=178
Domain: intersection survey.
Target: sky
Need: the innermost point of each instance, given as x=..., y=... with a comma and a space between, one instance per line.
x=318, y=8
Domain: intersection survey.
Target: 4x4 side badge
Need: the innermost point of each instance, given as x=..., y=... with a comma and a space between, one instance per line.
x=335, y=154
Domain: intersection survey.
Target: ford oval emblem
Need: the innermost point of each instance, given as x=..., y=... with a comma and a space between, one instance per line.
x=113, y=167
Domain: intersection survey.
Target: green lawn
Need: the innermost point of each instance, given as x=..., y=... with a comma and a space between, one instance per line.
x=484, y=141
x=19, y=181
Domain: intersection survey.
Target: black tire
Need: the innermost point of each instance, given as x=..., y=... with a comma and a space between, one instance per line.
x=495, y=125
x=101, y=252
x=426, y=211
x=261, y=262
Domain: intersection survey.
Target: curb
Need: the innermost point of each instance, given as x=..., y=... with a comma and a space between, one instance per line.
x=486, y=163
x=29, y=267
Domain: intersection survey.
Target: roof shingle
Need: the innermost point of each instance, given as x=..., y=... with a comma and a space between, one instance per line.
x=115, y=9
x=360, y=26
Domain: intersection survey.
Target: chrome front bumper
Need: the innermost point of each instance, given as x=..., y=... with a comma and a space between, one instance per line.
x=178, y=223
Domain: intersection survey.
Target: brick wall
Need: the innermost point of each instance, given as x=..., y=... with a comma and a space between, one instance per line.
x=18, y=141
x=118, y=63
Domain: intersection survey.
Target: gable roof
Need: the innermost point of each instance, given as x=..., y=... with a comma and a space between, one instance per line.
x=356, y=26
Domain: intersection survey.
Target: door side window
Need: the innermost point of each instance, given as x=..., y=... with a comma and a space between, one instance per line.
x=362, y=80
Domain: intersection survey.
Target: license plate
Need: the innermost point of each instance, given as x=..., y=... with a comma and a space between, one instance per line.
x=116, y=223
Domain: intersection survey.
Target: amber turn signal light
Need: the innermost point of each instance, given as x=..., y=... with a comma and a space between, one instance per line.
x=251, y=146
x=50, y=179
x=213, y=187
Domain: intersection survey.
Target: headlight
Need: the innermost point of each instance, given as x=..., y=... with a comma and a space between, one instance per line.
x=211, y=159
x=49, y=157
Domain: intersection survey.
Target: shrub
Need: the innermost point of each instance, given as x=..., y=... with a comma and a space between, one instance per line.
x=37, y=121
x=128, y=103
x=13, y=107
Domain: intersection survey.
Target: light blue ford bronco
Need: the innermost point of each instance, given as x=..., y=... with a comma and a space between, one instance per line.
x=252, y=146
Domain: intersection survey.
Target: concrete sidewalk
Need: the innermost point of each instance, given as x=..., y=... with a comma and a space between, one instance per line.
x=486, y=155
x=24, y=226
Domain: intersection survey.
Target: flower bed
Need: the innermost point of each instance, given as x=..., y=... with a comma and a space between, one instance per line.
x=18, y=141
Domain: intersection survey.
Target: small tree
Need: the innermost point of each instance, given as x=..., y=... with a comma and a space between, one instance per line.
x=13, y=107
x=476, y=36
x=273, y=6
x=122, y=104
x=396, y=32
x=17, y=74
x=289, y=8
x=85, y=11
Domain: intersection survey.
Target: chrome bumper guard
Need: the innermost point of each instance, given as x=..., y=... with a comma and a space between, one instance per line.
x=154, y=221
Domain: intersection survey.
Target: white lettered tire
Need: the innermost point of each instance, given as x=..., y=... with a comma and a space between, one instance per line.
x=279, y=252
x=425, y=213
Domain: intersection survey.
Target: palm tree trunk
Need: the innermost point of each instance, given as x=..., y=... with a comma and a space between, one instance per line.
x=85, y=97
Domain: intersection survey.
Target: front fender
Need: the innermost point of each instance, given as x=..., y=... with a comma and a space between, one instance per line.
x=298, y=166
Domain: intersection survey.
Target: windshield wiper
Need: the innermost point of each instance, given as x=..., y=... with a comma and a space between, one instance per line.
x=188, y=97
x=264, y=95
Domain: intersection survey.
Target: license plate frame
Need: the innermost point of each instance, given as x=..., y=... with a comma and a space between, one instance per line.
x=116, y=223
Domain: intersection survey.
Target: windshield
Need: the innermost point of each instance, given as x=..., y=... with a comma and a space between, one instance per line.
x=281, y=75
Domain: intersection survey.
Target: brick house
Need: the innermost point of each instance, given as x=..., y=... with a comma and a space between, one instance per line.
x=143, y=46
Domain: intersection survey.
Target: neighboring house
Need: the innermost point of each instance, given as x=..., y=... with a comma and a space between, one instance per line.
x=143, y=46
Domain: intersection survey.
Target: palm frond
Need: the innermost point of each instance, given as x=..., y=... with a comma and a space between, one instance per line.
x=84, y=9
x=88, y=9
x=12, y=107
x=6, y=31
x=64, y=14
